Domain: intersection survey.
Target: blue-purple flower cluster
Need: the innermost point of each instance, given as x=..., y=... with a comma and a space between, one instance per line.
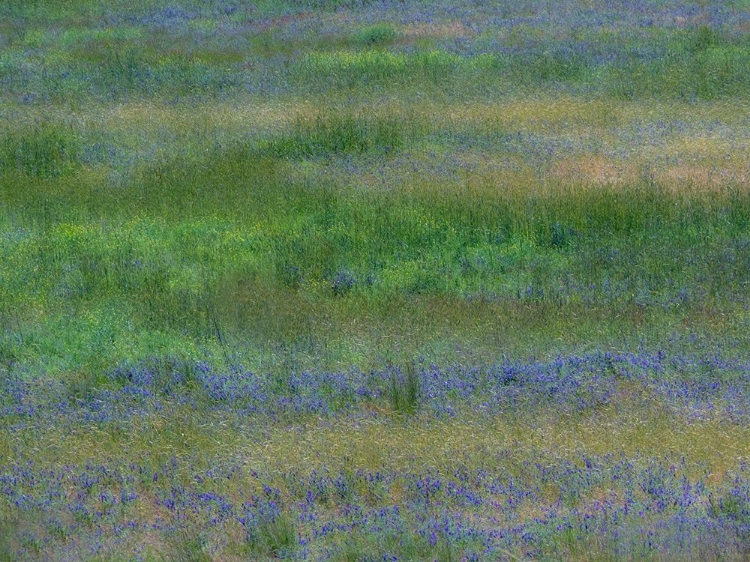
x=626, y=507
x=693, y=385
x=553, y=505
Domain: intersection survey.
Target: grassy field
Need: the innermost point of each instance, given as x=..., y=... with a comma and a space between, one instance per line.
x=360, y=281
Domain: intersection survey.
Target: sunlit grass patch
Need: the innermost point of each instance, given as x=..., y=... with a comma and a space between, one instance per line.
x=704, y=163
x=593, y=170
x=705, y=178
x=713, y=448
x=351, y=69
x=560, y=112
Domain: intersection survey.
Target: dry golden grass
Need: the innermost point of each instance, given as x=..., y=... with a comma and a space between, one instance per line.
x=423, y=30
x=595, y=170
x=628, y=426
x=703, y=178
x=680, y=160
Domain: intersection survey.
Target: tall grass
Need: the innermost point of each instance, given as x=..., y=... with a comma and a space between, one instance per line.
x=338, y=135
x=43, y=150
x=174, y=256
x=404, y=390
x=378, y=34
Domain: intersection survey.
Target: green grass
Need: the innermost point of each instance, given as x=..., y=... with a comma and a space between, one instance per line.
x=378, y=34
x=273, y=537
x=404, y=390
x=43, y=150
x=169, y=257
x=337, y=135
x=328, y=185
x=375, y=67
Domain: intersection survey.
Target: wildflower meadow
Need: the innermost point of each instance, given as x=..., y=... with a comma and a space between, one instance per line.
x=374, y=280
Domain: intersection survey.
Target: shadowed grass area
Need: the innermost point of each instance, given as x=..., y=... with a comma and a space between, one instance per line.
x=44, y=150
x=378, y=34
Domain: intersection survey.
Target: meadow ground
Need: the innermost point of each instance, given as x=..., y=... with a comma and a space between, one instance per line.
x=347, y=280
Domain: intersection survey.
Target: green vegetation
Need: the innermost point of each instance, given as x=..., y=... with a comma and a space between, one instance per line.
x=203, y=252
x=44, y=150
x=342, y=280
